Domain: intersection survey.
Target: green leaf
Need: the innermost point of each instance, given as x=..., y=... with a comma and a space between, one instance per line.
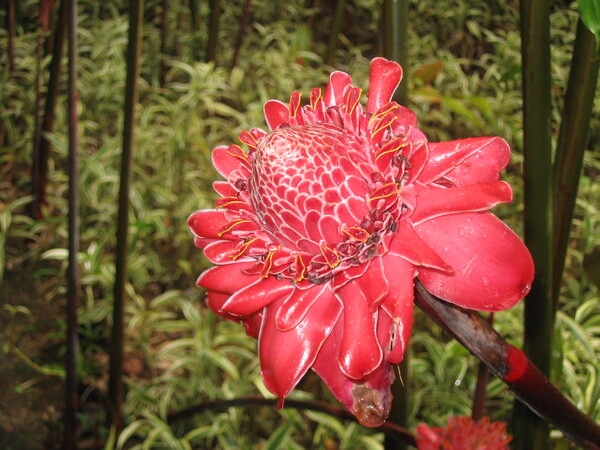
x=279, y=437
x=590, y=16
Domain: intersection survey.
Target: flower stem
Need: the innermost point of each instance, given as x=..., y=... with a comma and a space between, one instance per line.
x=526, y=382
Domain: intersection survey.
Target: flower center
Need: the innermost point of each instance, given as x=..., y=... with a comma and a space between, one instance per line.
x=316, y=193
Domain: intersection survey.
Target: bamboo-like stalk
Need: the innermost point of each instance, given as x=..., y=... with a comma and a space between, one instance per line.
x=525, y=381
x=41, y=152
x=395, y=41
x=164, y=30
x=116, y=393
x=240, y=37
x=10, y=25
x=572, y=139
x=338, y=19
x=195, y=16
x=213, y=30
x=39, y=162
x=530, y=432
x=395, y=47
x=73, y=300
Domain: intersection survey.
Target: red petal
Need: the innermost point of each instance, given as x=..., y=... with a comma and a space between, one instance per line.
x=227, y=279
x=285, y=356
x=334, y=94
x=373, y=284
x=295, y=307
x=385, y=77
x=257, y=295
x=433, y=202
x=276, y=113
x=227, y=159
x=493, y=269
x=221, y=252
x=399, y=303
x=466, y=161
x=207, y=223
x=224, y=189
x=360, y=352
x=408, y=245
x=369, y=398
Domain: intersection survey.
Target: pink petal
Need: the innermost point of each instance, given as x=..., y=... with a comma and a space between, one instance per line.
x=225, y=160
x=215, y=301
x=408, y=245
x=385, y=77
x=221, y=252
x=433, y=202
x=285, y=356
x=493, y=269
x=398, y=304
x=369, y=398
x=276, y=113
x=466, y=161
x=334, y=94
x=224, y=189
x=295, y=307
x=374, y=284
x=360, y=352
x=257, y=295
x=227, y=279
x=207, y=223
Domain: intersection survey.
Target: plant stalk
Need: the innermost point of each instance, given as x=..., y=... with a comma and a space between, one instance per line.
x=213, y=31
x=525, y=381
x=72, y=375
x=338, y=19
x=395, y=48
x=572, y=139
x=530, y=432
x=41, y=151
x=116, y=390
x=240, y=38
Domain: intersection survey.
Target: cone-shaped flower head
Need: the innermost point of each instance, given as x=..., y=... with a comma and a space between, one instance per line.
x=325, y=221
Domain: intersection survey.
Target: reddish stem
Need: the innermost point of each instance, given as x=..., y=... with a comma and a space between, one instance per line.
x=525, y=380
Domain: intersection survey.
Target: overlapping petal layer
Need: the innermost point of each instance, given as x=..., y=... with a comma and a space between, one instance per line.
x=324, y=222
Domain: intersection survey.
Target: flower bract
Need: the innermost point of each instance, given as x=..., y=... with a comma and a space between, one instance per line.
x=324, y=221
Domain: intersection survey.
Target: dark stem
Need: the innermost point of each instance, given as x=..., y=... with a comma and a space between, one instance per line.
x=483, y=376
x=526, y=382
x=213, y=31
x=164, y=29
x=240, y=38
x=530, y=432
x=219, y=404
x=338, y=19
x=395, y=41
x=10, y=25
x=395, y=48
x=42, y=147
x=572, y=139
x=72, y=376
x=131, y=95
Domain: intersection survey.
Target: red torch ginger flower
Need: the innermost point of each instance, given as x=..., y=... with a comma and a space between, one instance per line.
x=462, y=433
x=325, y=221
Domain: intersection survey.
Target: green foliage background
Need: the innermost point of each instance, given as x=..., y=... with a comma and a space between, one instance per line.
x=464, y=80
